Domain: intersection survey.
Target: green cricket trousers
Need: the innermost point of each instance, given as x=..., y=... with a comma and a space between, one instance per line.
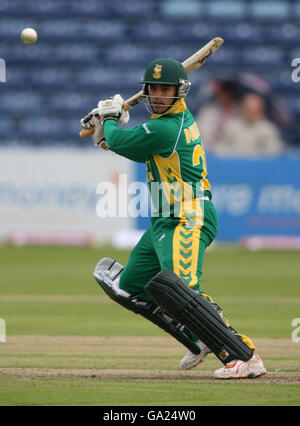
x=177, y=244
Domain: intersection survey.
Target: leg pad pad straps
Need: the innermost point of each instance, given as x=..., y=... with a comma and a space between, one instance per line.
x=189, y=308
x=107, y=273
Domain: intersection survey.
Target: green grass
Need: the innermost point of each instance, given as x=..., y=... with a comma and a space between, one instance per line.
x=51, y=291
x=259, y=292
x=74, y=318
x=90, y=318
x=51, y=270
x=134, y=393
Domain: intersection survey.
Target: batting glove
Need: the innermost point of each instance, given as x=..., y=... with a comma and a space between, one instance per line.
x=112, y=109
x=92, y=120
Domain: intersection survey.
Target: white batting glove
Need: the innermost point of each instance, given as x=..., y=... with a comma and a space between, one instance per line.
x=92, y=120
x=113, y=109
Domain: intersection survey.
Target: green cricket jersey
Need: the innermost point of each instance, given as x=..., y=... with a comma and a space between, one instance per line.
x=172, y=149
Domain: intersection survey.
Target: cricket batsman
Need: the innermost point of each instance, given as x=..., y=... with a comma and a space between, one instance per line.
x=162, y=279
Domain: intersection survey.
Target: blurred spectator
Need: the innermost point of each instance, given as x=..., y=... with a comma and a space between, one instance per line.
x=251, y=133
x=215, y=116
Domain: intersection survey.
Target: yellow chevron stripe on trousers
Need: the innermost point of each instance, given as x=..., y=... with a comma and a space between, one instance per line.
x=185, y=254
x=186, y=241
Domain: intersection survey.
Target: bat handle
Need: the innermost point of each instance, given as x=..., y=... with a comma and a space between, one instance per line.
x=84, y=133
x=87, y=132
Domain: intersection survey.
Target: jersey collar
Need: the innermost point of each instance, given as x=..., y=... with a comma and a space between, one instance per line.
x=178, y=107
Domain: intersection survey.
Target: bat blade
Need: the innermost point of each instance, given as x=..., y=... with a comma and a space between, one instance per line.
x=191, y=64
x=199, y=58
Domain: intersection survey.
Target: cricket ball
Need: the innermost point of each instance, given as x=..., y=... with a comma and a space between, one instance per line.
x=29, y=36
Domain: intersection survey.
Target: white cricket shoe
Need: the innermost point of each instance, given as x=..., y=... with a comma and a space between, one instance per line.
x=191, y=360
x=238, y=369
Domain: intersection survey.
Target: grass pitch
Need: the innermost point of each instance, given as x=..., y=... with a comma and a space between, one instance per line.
x=68, y=344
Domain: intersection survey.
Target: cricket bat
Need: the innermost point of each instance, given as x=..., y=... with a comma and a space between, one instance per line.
x=191, y=64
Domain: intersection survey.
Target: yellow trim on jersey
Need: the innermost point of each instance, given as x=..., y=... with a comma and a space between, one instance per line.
x=178, y=107
x=175, y=189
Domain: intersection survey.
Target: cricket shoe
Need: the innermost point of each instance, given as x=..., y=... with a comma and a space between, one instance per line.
x=238, y=369
x=191, y=360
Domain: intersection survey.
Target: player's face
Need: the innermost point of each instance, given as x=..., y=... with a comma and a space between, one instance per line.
x=161, y=96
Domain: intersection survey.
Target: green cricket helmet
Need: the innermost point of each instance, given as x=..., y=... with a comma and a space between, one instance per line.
x=166, y=71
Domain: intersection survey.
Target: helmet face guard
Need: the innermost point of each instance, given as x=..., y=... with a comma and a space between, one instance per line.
x=182, y=88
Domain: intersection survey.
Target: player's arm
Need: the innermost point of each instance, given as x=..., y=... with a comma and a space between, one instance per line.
x=142, y=140
x=153, y=137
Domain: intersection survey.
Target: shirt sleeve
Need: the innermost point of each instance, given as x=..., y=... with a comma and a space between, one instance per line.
x=137, y=143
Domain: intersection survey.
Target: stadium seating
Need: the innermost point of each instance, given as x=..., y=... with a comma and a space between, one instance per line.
x=270, y=10
x=92, y=49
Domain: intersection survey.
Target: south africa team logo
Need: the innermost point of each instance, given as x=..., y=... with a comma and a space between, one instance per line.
x=157, y=71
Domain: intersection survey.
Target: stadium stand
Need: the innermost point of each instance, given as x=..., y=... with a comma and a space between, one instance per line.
x=91, y=49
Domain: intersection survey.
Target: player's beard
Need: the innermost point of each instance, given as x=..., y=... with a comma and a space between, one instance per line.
x=160, y=107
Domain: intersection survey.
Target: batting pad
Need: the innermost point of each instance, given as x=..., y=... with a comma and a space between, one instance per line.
x=184, y=305
x=107, y=274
